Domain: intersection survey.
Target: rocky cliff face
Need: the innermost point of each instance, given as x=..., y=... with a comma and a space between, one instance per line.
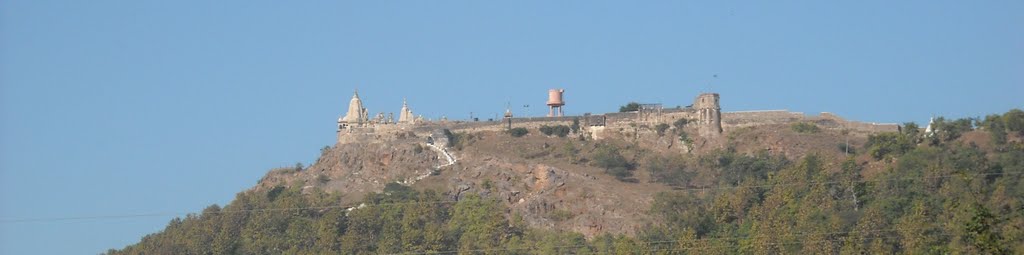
x=358, y=168
x=548, y=195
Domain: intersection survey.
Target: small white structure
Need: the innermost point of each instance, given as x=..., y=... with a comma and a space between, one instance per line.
x=929, y=131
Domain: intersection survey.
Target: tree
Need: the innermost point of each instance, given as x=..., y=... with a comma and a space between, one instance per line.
x=668, y=170
x=630, y=107
x=477, y=223
x=982, y=233
x=885, y=144
x=1014, y=121
x=609, y=158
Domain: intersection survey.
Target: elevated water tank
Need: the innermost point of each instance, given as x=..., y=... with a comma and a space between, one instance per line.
x=555, y=97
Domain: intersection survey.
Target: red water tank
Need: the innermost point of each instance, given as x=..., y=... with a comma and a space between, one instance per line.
x=555, y=97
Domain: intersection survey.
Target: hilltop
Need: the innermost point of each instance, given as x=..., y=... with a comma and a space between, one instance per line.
x=634, y=183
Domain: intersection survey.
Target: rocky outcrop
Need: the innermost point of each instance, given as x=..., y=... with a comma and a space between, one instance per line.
x=356, y=169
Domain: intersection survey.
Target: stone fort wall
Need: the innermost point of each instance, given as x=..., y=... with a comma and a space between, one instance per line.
x=705, y=114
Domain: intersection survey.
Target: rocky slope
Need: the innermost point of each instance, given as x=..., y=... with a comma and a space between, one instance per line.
x=546, y=180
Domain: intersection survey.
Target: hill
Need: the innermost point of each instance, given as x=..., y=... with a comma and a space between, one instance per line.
x=787, y=187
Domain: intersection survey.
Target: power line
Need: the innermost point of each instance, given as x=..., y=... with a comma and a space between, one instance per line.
x=117, y=216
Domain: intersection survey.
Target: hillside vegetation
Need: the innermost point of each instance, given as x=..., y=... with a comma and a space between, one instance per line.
x=957, y=190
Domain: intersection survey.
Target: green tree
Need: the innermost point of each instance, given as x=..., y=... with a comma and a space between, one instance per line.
x=608, y=157
x=982, y=232
x=630, y=107
x=888, y=144
x=477, y=223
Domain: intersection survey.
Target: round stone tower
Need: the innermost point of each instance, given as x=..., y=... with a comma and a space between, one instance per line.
x=709, y=115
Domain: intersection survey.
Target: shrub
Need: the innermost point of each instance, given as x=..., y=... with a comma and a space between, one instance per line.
x=843, y=147
x=804, y=127
x=660, y=128
x=518, y=132
x=680, y=123
x=683, y=137
x=457, y=140
x=559, y=130
x=569, y=149
x=560, y=215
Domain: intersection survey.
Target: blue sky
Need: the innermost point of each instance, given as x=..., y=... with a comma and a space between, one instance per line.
x=127, y=107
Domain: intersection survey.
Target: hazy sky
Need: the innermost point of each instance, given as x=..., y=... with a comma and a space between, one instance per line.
x=137, y=107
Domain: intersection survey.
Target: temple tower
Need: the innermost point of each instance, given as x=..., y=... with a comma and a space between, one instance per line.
x=356, y=113
x=405, y=116
x=356, y=116
x=709, y=115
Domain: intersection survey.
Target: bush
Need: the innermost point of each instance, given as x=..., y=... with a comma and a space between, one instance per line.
x=683, y=137
x=560, y=215
x=518, y=132
x=843, y=147
x=630, y=107
x=559, y=130
x=680, y=123
x=458, y=140
x=804, y=127
x=661, y=128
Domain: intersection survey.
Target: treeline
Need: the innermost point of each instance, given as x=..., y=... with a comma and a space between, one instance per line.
x=936, y=195
x=398, y=220
x=946, y=199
